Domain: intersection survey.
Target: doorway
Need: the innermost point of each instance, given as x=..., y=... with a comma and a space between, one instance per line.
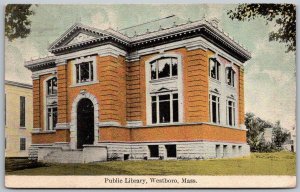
x=85, y=123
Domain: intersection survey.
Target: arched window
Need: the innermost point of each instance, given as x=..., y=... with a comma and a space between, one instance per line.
x=230, y=76
x=164, y=67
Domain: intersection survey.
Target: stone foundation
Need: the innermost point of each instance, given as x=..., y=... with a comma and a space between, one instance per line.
x=61, y=153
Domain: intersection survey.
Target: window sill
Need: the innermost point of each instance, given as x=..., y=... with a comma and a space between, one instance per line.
x=22, y=127
x=215, y=80
x=230, y=87
x=84, y=84
x=163, y=79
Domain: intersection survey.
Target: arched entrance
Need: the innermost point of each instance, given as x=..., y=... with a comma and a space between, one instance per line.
x=85, y=123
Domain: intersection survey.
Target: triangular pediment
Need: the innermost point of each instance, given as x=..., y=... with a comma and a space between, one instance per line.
x=80, y=37
x=76, y=34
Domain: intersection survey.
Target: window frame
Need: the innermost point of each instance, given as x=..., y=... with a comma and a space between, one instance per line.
x=218, y=68
x=156, y=63
x=172, y=84
x=22, y=144
x=233, y=76
x=218, y=106
x=92, y=70
x=22, y=112
x=157, y=102
x=51, y=86
x=233, y=111
x=51, y=97
x=52, y=127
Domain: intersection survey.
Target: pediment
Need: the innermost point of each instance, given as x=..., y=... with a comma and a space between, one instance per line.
x=77, y=34
x=81, y=37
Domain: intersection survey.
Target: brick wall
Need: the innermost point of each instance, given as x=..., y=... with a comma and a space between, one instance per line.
x=173, y=133
x=62, y=93
x=36, y=104
x=110, y=91
x=241, y=97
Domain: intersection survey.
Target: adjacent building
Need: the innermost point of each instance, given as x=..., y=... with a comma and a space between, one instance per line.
x=18, y=118
x=173, y=93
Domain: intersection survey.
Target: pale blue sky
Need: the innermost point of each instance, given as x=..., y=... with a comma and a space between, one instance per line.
x=270, y=80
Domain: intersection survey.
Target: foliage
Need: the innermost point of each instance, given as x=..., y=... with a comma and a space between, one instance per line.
x=279, y=135
x=283, y=14
x=17, y=23
x=255, y=134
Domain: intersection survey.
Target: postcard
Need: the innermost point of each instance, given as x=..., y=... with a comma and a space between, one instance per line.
x=150, y=96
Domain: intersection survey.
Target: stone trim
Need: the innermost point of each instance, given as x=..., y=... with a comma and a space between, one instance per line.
x=108, y=124
x=60, y=126
x=73, y=128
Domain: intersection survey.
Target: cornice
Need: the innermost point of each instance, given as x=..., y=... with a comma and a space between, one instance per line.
x=18, y=84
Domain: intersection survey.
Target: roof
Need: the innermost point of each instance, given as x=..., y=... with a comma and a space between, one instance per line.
x=92, y=37
x=18, y=84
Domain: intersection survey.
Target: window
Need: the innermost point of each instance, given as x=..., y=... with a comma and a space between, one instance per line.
x=164, y=67
x=153, y=150
x=22, y=111
x=22, y=144
x=171, y=151
x=214, y=69
x=225, y=151
x=230, y=76
x=165, y=108
x=84, y=72
x=214, y=108
x=230, y=113
x=218, y=151
x=51, y=117
x=52, y=86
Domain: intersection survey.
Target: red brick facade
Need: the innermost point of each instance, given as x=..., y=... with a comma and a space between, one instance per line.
x=120, y=91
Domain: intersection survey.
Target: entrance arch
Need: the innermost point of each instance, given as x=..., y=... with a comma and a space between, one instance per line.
x=84, y=103
x=85, y=123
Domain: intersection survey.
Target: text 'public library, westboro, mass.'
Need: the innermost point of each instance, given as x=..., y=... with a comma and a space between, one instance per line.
x=174, y=93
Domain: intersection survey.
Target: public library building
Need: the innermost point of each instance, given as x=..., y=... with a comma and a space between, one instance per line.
x=174, y=93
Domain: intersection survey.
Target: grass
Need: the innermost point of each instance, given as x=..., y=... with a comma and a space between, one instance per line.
x=279, y=163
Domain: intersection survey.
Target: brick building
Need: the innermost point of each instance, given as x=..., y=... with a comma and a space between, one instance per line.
x=176, y=92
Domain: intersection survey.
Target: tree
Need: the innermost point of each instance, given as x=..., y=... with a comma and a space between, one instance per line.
x=279, y=135
x=17, y=23
x=283, y=14
x=255, y=133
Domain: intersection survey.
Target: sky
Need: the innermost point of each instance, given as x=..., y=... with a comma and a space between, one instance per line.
x=270, y=75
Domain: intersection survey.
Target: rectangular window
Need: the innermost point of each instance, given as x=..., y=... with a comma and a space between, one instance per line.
x=22, y=144
x=153, y=150
x=51, y=118
x=214, y=67
x=174, y=67
x=214, y=108
x=84, y=72
x=175, y=108
x=52, y=86
x=171, y=151
x=22, y=111
x=164, y=108
x=218, y=151
x=230, y=113
x=154, y=109
x=230, y=76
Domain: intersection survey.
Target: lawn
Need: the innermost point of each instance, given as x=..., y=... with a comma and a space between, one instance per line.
x=279, y=163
